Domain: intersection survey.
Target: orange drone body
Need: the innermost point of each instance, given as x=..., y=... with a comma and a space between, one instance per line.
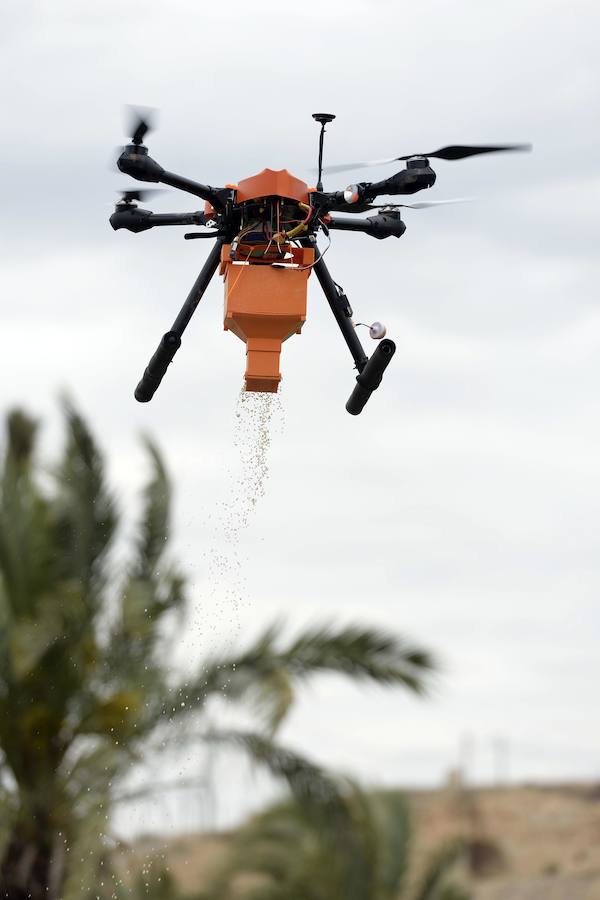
x=265, y=295
x=272, y=183
x=266, y=231
x=268, y=183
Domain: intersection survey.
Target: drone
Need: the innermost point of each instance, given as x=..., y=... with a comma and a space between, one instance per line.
x=265, y=232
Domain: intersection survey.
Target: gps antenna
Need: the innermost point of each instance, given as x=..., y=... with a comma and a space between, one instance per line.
x=323, y=118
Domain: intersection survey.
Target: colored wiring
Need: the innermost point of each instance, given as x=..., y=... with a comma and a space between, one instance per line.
x=300, y=227
x=276, y=235
x=234, y=285
x=240, y=235
x=317, y=258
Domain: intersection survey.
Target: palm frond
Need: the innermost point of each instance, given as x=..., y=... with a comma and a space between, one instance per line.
x=21, y=433
x=454, y=892
x=154, y=586
x=394, y=835
x=363, y=653
x=322, y=802
x=154, y=527
x=29, y=639
x=437, y=871
x=295, y=851
x=26, y=552
x=309, y=783
x=86, y=516
x=268, y=671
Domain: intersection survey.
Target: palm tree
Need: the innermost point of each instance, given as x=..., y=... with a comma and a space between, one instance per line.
x=84, y=676
x=295, y=852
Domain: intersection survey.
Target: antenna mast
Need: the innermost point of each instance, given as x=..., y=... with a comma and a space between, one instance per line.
x=324, y=119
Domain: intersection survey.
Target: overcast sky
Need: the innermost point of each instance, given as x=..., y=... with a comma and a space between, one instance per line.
x=462, y=507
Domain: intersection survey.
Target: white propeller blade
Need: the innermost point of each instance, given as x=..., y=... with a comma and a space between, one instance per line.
x=347, y=167
x=426, y=203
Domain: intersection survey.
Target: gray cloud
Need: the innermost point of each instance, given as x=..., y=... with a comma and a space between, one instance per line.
x=462, y=506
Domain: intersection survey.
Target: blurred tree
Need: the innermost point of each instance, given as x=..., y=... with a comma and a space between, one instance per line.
x=85, y=677
x=294, y=851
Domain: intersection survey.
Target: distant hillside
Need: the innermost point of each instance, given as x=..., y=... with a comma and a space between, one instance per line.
x=527, y=843
x=533, y=842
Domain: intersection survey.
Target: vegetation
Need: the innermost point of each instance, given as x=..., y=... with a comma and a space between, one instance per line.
x=297, y=852
x=85, y=683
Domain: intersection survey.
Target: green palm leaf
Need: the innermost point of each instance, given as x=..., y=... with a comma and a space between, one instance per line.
x=434, y=881
x=311, y=785
x=322, y=807
x=267, y=671
x=86, y=515
x=393, y=835
x=283, y=852
x=154, y=527
x=27, y=555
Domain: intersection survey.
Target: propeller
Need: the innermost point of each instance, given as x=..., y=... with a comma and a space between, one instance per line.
x=128, y=197
x=462, y=151
x=451, y=152
x=361, y=207
x=141, y=120
x=423, y=204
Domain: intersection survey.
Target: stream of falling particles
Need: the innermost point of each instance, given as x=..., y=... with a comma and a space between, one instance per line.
x=258, y=417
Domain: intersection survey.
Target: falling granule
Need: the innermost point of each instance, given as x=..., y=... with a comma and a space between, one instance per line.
x=258, y=416
x=254, y=425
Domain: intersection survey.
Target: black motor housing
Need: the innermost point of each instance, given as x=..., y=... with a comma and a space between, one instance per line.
x=130, y=217
x=417, y=176
x=134, y=161
x=386, y=224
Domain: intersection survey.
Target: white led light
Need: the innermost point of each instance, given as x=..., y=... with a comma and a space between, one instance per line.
x=351, y=194
x=377, y=330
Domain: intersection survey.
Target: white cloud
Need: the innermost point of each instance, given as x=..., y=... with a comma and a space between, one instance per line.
x=462, y=505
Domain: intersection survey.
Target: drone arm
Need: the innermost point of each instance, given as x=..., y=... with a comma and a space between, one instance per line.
x=369, y=379
x=136, y=220
x=193, y=218
x=135, y=161
x=171, y=341
x=345, y=223
x=370, y=369
x=379, y=226
x=213, y=195
x=416, y=177
x=357, y=196
x=339, y=305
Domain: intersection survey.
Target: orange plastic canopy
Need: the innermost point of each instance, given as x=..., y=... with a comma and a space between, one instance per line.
x=272, y=183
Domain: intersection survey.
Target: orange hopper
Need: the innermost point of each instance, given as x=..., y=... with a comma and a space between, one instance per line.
x=266, y=304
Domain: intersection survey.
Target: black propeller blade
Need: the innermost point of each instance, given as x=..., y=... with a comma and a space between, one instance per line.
x=452, y=152
x=138, y=194
x=462, y=151
x=141, y=121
